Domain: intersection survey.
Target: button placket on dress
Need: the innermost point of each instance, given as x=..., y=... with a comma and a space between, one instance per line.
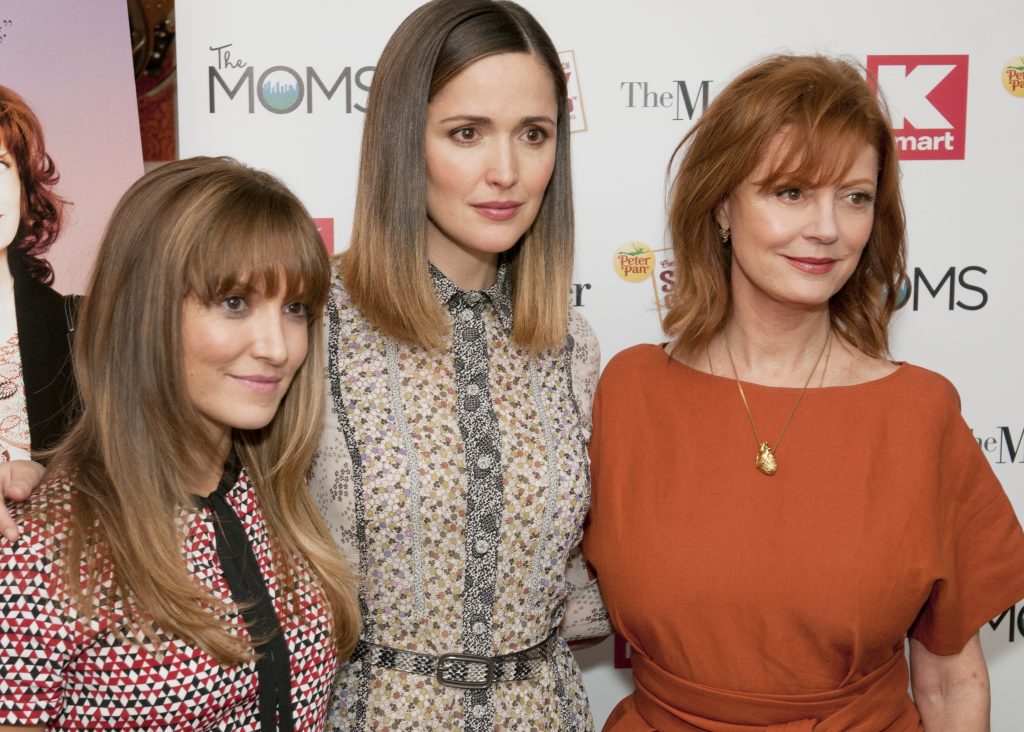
x=478, y=425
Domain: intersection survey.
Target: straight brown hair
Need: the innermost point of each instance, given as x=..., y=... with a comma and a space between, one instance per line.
x=204, y=228
x=386, y=269
x=826, y=111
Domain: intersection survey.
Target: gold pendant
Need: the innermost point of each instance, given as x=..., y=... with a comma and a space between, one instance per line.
x=766, y=459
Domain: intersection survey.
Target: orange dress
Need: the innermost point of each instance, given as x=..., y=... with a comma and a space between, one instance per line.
x=782, y=603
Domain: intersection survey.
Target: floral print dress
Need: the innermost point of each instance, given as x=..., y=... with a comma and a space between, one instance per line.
x=456, y=481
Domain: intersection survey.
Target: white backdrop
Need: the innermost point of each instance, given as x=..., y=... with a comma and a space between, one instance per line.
x=637, y=69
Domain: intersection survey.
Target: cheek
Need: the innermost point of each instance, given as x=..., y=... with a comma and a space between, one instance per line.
x=858, y=231
x=537, y=172
x=298, y=346
x=449, y=177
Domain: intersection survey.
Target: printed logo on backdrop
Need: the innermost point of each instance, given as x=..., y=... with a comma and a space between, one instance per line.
x=577, y=117
x=685, y=99
x=1014, y=619
x=927, y=99
x=1002, y=445
x=637, y=262
x=279, y=89
x=634, y=262
x=623, y=653
x=1013, y=77
x=6, y=26
x=955, y=288
x=577, y=292
x=326, y=229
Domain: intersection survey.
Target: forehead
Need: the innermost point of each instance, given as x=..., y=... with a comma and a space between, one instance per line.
x=506, y=81
x=788, y=155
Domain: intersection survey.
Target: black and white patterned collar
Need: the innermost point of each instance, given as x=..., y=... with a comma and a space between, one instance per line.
x=499, y=294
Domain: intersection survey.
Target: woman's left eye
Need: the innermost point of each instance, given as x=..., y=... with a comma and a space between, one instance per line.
x=860, y=198
x=535, y=135
x=235, y=303
x=790, y=194
x=298, y=309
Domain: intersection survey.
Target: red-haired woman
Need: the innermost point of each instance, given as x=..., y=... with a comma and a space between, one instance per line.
x=801, y=503
x=37, y=390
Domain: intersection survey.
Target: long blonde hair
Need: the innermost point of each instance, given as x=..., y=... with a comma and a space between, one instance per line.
x=199, y=227
x=385, y=268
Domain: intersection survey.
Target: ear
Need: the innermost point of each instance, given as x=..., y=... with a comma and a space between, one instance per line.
x=722, y=215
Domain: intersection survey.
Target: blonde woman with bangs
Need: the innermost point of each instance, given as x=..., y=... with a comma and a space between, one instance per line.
x=172, y=572
x=452, y=469
x=820, y=502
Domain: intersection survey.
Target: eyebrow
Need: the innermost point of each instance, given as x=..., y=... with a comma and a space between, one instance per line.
x=859, y=182
x=476, y=120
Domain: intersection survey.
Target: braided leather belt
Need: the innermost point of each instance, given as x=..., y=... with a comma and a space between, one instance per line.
x=460, y=670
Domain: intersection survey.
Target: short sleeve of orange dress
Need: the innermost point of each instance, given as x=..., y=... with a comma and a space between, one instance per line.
x=782, y=602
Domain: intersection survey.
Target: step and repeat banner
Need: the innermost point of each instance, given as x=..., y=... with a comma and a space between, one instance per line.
x=284, y=88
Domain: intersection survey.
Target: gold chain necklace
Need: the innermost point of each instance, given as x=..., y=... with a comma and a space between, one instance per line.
x=766, y=461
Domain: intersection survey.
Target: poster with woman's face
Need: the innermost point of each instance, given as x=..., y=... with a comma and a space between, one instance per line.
x=71, y=65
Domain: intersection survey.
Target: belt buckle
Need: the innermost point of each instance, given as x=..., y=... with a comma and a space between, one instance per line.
x=444, y=661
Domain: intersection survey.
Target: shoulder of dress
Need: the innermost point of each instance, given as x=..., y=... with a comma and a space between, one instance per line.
x=628, y=360
x=925, y=386
x=338, y=290
x=44, y=519
x=586, y=349
x=579, y=325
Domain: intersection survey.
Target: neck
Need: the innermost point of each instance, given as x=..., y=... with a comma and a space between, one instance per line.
x=209, y=478
x=769, y=350
x=470, y=270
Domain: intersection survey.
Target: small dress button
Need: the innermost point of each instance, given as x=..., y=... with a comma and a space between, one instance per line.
x=473, y=298
x=479, y=628
x=485, y=462
x=481, y=547
x=479, y=710
x=466, y=314
x=473, y=389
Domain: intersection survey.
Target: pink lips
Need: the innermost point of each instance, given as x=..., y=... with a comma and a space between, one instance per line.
x=497, y=210
x=812, y=265
x=260, y=384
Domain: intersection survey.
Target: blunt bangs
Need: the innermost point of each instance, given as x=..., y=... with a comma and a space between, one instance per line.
x=260, y=244
x=810, y=156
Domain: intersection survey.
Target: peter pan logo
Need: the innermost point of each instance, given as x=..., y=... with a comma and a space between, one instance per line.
x=634, y=262
x=1013, y=77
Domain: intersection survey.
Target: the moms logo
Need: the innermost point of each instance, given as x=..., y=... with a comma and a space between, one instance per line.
x=685, y=99
x=283, y=89
x=956, y=288
x=1003, y=445
x=927, y=98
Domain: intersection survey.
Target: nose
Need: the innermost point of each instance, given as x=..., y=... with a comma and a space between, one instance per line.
x=823, y=225
x=268, y=337
x=502, y=165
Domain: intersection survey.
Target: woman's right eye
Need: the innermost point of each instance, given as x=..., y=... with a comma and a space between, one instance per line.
x=464, y=134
